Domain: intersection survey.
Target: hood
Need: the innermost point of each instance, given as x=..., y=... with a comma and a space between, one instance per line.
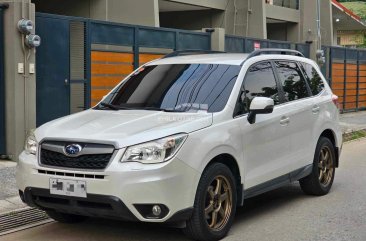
x=122, y=128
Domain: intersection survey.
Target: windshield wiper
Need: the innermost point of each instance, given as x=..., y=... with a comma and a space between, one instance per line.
x=160, y=109
x=118, y=107
x=115, y=107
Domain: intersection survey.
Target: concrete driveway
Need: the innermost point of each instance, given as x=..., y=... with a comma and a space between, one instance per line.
x=283, y=214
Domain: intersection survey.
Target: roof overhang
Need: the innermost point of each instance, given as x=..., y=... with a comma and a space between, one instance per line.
x=345, y=19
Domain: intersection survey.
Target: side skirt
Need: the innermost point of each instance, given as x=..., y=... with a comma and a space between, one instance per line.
x=278, y=182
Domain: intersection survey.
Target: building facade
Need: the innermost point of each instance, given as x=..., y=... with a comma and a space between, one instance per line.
x=294, y=21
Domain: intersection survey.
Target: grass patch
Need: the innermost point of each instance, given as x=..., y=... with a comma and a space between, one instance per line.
x=354, y=135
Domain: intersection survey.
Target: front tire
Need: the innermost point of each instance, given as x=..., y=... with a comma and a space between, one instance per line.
x=214, y=206
x=65, y=217
x=320, y=181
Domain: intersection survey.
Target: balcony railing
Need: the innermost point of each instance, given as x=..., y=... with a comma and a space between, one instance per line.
x=294, y=4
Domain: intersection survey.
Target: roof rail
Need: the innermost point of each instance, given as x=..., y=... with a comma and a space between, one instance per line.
x=275, y=51
x=190, y=52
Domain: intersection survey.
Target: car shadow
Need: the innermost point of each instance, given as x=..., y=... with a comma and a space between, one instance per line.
x=269, y=201
x=108, y=230
x=253, y=207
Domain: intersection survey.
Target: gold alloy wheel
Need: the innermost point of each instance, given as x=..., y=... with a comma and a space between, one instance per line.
x=218, y=203
x=325, y=166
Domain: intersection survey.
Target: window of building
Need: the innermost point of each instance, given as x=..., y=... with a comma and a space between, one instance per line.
x=292, y=80
x=315, y=81
x=259, y=81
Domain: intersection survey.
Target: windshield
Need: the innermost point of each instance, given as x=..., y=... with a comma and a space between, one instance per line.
x=177, y=87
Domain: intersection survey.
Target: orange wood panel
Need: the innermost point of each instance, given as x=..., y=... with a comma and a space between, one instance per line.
x=351, y=86
x=351, y=79
x=362, y=85
x=94, y=102
x=337, y=85
x=337, y=65
x=338, y=92
x=362, y=92
x=111, y=57
x=351, y=98
x=362, y=67
x=362, y=79
x=100, y=81
x=111, y=69
x=351, y=105
x=351, y=72
x=351, y=67
x=144, y=58
x=98, y=94
x=337, y=79
x=337, y=72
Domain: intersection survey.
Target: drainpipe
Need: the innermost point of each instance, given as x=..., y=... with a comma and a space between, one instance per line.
x=318, y=25
x=3, y=7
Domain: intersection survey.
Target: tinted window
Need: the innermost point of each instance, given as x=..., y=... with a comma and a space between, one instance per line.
x=292, y=80
x=179, y=87
x=259, y=81
x=315, y=81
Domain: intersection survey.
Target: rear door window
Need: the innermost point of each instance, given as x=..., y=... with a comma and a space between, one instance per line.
x=292, y=80
x=316, y=83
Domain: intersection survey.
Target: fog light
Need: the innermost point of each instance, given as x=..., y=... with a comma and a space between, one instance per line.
x=152, y=211
x=156, y=210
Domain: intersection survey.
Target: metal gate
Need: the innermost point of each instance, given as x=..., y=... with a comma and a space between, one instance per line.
x=2, y=82
x=80, y=60
x=345, y=70
x=237, y=44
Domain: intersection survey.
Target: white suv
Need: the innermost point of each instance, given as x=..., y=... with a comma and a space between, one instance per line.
x=186, y=140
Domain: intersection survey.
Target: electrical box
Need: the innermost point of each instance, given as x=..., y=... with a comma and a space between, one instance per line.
x=31, y=68
x=20, y=68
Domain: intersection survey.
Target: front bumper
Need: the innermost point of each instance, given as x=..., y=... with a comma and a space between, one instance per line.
x=114, y=192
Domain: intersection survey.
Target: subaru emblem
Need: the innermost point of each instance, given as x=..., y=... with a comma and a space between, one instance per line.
x=73, y=149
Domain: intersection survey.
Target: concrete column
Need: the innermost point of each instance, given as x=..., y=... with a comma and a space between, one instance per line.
x=309, y=25
x=257, y=21
x=140, y=12
x=20, y=88
x=243, y=18
x=326, y=22
x=217, y=39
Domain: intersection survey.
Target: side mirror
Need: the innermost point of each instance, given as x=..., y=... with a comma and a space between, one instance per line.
x=260, y=105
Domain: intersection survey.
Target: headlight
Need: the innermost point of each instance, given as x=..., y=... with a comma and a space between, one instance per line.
x=31, y=143
x=155, y=151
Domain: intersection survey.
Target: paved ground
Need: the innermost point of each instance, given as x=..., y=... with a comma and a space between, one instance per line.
x=353, y=121
x=281, y=215
x=9, y=199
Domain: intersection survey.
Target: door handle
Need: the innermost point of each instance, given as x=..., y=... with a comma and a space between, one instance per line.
x=316, y=109
x=66, y=81
x=285, y=121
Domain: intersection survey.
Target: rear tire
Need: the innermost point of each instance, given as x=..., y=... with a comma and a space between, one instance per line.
x=214, y=206
x=65, y=217
x=320, y=181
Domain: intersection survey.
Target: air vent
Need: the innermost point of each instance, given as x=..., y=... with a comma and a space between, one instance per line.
x=69, y=174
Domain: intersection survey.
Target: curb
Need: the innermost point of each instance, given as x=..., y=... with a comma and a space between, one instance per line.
x=11, y=203
x=347, y=135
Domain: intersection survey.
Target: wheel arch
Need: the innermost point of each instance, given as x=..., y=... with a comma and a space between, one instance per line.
x=330, y=134
x=229, y=161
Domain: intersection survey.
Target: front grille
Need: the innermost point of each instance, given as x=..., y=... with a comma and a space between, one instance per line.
x=95, y=161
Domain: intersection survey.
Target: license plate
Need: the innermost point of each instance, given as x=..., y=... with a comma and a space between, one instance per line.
x=64, y=187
